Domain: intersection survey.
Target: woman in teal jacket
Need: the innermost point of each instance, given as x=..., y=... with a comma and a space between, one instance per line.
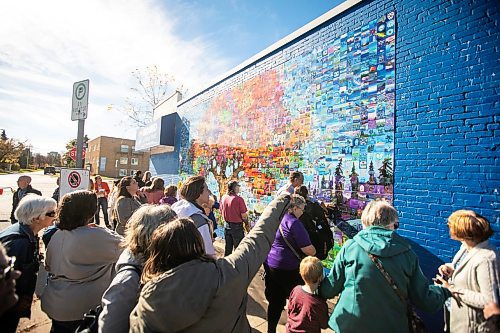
x=367, y=302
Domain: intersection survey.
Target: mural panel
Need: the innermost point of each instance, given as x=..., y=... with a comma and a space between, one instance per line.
x=328, y=112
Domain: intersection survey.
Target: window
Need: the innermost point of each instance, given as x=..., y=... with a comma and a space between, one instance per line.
x=124, y=148
x=134, y=161
x=132, y=172
x=102, y=165
x=123, y=160
x=123, y=172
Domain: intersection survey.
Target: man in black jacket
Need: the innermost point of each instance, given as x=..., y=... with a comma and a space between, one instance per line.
x=23, y=183
x=316, y=224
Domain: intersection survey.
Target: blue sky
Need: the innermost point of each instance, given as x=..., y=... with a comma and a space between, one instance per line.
x=45, y=46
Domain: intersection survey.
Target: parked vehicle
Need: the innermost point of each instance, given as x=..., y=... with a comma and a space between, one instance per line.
x=49, y=170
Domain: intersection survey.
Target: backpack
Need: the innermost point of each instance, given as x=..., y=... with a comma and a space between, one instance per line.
x=90, y=321
x=317, y=227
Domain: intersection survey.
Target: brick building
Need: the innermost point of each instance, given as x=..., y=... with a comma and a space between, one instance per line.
x=115, y=157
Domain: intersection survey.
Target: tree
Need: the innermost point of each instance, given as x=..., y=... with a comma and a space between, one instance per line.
x=72, y=143
x=152, y=88
x=39, y=159
x=10, y=150
x=54, y=158
x=3, y=136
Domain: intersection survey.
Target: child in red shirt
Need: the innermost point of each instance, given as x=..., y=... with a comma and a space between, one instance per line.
x=307, y=312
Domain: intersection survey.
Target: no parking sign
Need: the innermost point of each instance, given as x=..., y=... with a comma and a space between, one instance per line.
x=73, y=180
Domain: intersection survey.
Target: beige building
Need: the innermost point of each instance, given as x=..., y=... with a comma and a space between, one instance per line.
x=115, y=157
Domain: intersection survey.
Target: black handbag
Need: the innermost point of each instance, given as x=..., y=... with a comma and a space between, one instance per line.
x=415, y=323
x=90, y=321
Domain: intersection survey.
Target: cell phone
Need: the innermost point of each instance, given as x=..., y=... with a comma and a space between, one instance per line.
x=435, y=280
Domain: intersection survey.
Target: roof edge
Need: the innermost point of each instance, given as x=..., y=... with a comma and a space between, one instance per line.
x=277, y=45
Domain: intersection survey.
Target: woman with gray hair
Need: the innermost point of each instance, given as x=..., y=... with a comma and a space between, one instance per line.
x=291, y=244
x=366, y=294
x=121, y=296
x=33, y=214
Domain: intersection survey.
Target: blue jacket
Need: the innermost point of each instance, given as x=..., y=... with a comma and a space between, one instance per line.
x=21, y=243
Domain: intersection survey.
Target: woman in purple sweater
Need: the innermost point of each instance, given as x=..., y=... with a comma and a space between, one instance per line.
x=282, y=265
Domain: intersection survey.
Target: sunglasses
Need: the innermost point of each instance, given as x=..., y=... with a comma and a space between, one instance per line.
x=51, y=214
x=5, y=273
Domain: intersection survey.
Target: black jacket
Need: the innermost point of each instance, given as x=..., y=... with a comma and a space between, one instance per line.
x=16, y=199
x=317, y=227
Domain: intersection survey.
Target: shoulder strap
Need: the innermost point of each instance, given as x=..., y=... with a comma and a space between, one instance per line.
x=386, y=275
x=288, y=244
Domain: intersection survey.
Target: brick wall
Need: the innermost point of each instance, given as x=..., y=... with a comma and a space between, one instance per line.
x=447, y=110
x=446, y=114
x=110, y=148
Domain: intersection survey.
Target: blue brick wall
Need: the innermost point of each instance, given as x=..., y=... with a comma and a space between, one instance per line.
x=447, y=112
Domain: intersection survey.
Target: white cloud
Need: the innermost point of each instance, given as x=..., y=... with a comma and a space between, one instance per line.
x=45, y=46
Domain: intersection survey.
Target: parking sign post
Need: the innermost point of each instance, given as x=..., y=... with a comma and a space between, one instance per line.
x=79, y=111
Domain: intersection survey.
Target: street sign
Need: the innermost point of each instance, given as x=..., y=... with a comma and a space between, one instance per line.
x=72, y=153
x=80, y=100
x=73, y=180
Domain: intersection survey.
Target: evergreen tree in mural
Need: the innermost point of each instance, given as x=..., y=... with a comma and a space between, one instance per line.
x=371, y=172
x=339, y=184
x=354, y=182
x=385, y=172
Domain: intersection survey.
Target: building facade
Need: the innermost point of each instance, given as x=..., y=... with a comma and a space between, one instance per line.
x=115, y=157
x=375, y=99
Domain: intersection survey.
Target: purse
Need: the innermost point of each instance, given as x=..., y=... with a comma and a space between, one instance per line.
x=289, y=245
x=415, y=323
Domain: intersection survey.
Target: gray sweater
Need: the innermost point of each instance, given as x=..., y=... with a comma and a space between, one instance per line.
x=208, y=297
x=81, y=263
x=121, y=296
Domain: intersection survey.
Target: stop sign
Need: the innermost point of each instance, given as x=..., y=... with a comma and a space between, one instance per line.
x=72, y=153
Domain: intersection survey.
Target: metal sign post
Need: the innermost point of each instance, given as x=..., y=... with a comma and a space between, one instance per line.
x=79, y=111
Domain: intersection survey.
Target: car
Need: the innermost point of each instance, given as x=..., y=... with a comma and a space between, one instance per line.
x=49, y=170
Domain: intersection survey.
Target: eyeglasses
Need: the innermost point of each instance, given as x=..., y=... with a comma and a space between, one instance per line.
x=51, y=214
x=6, y=272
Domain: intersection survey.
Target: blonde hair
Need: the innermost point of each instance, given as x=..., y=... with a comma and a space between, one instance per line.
x=379, y=213
x=468, y=225
x=311, y=269
x=143, y=223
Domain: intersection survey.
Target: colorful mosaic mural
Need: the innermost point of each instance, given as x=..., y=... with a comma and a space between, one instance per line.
x=328, y=112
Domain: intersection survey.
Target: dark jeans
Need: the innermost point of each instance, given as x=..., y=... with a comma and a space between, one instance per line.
x=279, y=285
x=64, y=326
x=102, y=203
x=233, y=234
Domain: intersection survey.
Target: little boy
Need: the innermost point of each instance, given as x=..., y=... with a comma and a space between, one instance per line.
x=307, y=312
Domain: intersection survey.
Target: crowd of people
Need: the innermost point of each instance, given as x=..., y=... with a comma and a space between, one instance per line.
x=153, y=267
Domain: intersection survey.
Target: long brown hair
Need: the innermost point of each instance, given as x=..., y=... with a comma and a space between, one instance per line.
x=173, y=244
x=122, y=187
